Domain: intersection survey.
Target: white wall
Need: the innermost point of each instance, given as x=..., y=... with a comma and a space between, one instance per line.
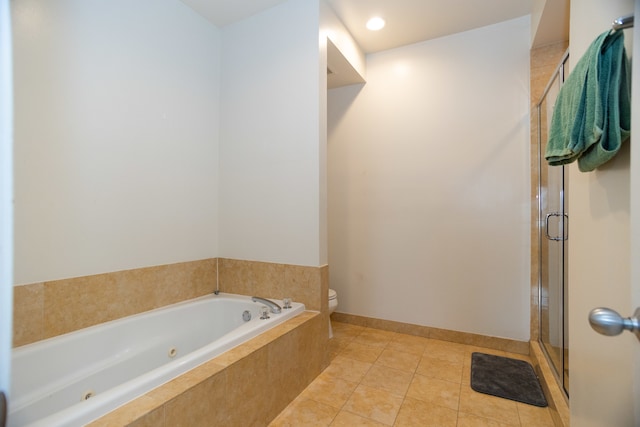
x=429, y=184
x=599, y=253
x=549, y=22
x=332, y=27
x=272, y=137
x=116, y=136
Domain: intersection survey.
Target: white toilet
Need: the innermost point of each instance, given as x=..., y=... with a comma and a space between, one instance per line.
x=333, y=304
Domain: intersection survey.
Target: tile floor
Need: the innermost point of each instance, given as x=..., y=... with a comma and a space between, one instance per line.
x=381, y=378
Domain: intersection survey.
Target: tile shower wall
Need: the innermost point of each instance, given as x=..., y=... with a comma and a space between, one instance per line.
x=44, y=310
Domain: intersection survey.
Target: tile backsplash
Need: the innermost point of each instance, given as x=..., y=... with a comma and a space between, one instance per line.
x=48, y=309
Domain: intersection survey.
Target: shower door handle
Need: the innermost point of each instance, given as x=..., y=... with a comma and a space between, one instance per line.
x=565, y=226
x=608, y=322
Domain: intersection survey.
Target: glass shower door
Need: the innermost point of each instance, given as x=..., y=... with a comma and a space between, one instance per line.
x=553, y=238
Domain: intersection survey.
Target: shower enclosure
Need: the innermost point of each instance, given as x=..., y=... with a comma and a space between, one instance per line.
x=553, y=238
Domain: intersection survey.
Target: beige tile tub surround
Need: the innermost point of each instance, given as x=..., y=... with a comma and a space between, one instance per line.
x=45, y=310
x=246, y=386
x=309, y=285
x=503, y=344
x=28, y=314
x=262, y=375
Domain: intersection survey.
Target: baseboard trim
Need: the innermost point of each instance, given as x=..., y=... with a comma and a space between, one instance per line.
x=496, y=343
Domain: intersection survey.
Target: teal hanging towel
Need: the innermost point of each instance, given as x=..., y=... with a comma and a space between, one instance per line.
x=592, y=114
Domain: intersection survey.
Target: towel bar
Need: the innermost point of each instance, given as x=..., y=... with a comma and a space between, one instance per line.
x=622, y=22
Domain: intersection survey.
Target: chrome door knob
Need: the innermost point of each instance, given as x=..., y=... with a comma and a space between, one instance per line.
x=608, y=322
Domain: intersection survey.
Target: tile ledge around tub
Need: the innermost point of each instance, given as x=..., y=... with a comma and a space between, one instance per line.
x=155, y=399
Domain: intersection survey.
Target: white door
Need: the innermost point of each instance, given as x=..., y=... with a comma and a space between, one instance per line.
x=6, y=204
x=604, y=257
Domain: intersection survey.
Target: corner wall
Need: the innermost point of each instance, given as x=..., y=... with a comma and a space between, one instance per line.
x=272, y=162
x=332, y=28
x=429, y=184
x=116, y=131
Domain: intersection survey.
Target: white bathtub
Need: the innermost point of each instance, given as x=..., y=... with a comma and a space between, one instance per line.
x=117, y=361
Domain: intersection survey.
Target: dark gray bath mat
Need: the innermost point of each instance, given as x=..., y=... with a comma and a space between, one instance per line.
x=504, y=377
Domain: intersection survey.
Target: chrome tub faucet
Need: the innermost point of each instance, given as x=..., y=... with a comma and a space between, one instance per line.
x=275, y=308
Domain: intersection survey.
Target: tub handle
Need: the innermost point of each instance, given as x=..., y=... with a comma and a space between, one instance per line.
x=3, y=409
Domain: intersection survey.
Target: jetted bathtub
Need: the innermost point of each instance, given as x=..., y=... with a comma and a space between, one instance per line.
x=78, y=377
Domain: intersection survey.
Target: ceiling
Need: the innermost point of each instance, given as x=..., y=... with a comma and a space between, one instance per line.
x=408, y=21
x=224, y=12
x=411, y=21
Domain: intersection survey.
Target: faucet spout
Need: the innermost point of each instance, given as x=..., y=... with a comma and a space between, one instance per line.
x=275, y=308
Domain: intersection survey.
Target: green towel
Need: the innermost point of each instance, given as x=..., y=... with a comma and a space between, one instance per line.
x=592, y=114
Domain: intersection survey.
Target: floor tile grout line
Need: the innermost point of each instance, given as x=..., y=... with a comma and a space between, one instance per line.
x=356, y=387
x=364, y=376
x=351, y=394
x=460, y=393
x=467, y=352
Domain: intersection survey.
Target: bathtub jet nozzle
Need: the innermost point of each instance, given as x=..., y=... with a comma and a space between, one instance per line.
x=275, y=308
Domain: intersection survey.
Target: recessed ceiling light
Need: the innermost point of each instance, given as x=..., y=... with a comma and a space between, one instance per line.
x=376, y=23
